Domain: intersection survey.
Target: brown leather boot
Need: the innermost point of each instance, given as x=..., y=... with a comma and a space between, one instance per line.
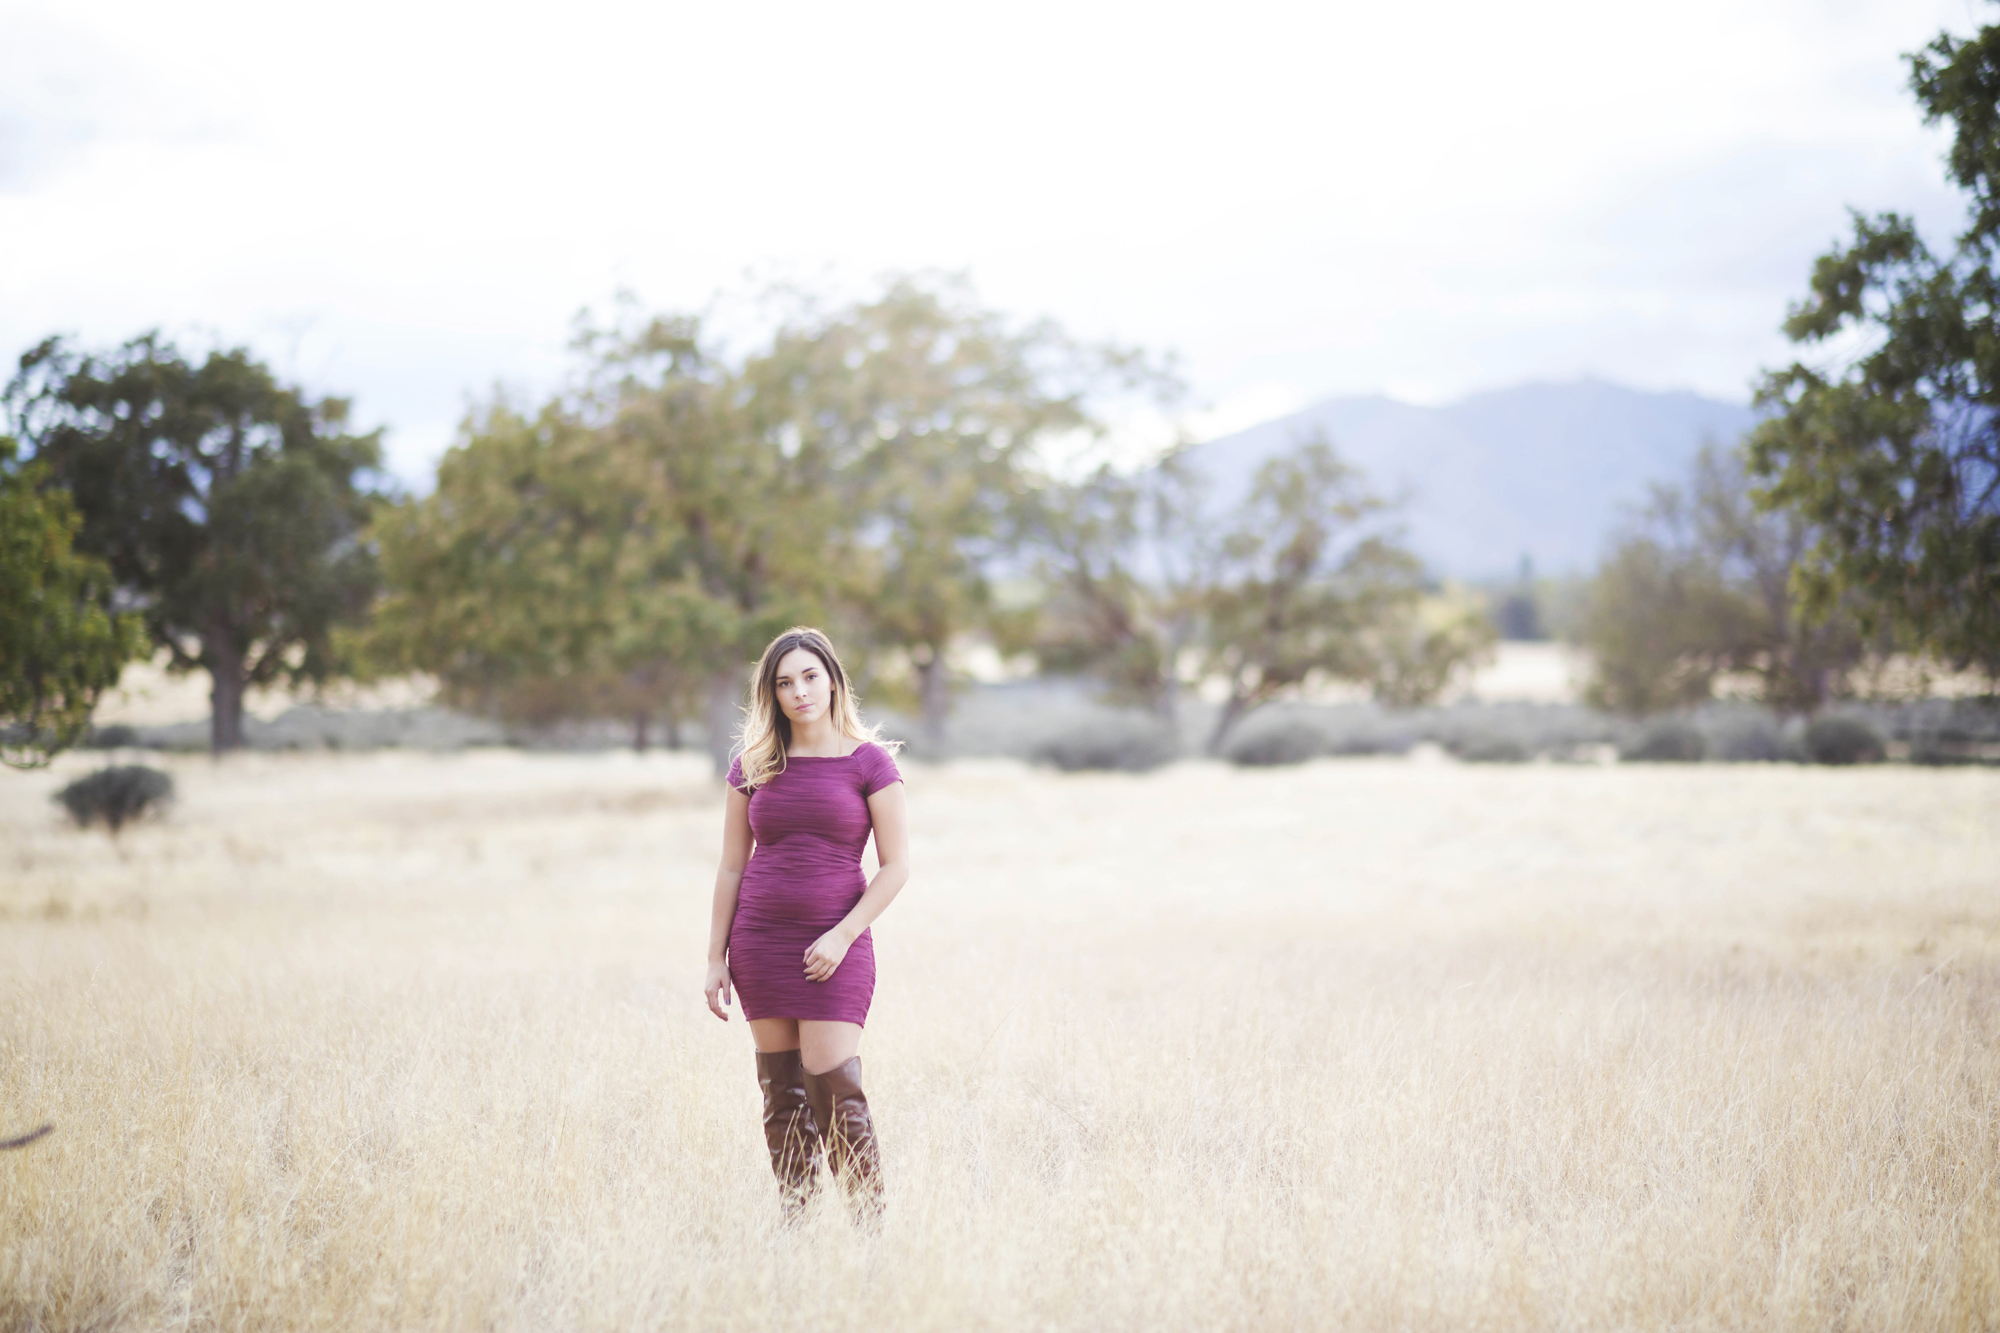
x=842, y=1110
x=790, y=1131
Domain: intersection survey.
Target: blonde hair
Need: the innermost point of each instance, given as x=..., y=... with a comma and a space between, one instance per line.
x=767, y=732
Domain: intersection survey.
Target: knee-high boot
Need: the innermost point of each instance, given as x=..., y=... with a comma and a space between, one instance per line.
x=849, y=1132
x=790, y=1131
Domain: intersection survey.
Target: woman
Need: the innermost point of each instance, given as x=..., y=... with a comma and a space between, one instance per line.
x=790, y=929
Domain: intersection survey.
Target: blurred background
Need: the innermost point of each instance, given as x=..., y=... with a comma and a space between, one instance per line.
x=1114, y=383
x=1518, y=484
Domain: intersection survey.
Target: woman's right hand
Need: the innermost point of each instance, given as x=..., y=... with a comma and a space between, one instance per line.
x=717, y=987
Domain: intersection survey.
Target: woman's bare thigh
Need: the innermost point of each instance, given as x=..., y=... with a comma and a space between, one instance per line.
x=821, y=1043
x=824, y=1044
x=775, y=1034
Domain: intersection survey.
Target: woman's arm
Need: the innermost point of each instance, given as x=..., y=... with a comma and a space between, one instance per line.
x=728, y=879
x=890, y=815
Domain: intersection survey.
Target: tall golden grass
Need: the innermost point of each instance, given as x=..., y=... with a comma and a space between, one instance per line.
x=409, y=1042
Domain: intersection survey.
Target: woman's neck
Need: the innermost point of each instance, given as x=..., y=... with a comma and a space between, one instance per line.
x=818, y=739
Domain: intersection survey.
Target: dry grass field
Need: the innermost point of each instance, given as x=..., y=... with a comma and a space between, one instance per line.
x=400, y=1041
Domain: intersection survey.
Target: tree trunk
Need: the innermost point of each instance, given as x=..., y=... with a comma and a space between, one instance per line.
x=724, y=704
x=673, y=721
x=1168, y=701
x=641, y=722
x=934, y=697
x=225, y=694
x=1232, y=713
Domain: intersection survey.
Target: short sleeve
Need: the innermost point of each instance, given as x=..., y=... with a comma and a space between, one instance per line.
x=736, y=775
x=878, y=771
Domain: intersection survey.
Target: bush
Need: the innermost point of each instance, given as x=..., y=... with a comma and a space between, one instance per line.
x=1128, y=744
x=1276, y=740
x=1492, y=748
x=1510, y=733
x=1754, y=740
x=1844, y=740
x=1368, y=736
x=116, y=796
x=1944, y=747
x=1671, y=742
x=117, y=736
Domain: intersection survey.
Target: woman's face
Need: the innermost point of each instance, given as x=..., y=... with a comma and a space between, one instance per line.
x=803, y=685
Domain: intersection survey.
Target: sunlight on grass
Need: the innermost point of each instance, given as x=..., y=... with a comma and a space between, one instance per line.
x=403, y=1041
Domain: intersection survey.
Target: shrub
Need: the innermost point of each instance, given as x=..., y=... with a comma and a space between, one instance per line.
x=1276, y=740
x=1844, y=740
x=1944, y=746
x=116, y=796
x=1671, y=742
x=1755, y=740
x=1508, y=733
x=1368, y=736
x=1130, y=744
x=117, y=736
x=1492, y=748
x=1934, y=751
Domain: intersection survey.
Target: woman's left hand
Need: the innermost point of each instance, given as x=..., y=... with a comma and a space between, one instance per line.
x=825, y=954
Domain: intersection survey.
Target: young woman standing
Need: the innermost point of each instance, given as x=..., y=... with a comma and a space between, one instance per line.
x=790, y=926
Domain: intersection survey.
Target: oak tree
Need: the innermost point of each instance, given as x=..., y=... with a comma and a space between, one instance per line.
x=229, y=507
x=63, y=643
x=1894, y=456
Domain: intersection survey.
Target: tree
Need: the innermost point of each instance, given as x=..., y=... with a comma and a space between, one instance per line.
x=61, y=642
x=1658, y=628
x=1152, y=586
x=1700, y=587
x=1125, y=557
x=227, y=506
x=1419, y=647
x=748, y=533
x=637, y=543
x=628, y=550
x=934, y=414
x=1894, y=457
x=1306, y=586
x=500, y=582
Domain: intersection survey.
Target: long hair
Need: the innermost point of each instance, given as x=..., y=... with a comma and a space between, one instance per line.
x=767, y=732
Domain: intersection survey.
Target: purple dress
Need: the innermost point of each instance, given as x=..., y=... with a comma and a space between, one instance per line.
x=811, y=823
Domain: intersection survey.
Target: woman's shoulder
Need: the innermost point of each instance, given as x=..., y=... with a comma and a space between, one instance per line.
x=877, y=765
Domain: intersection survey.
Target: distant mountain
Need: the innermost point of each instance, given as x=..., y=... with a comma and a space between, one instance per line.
x=1542, y=470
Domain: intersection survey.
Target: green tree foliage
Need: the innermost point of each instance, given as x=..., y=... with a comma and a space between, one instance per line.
x=749, y=523
x=1700, y=587
x=635, y=544
x=1894, y=457
x=1305, y=585
x=501, y=582
x=61, y=643
x=936, y=415
x=628, y=550
x=1125, y=557
x=228, y=506
x=1151, y=586
x=1418, y=648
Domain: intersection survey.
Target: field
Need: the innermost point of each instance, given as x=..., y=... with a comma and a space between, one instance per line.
x=401, y=1041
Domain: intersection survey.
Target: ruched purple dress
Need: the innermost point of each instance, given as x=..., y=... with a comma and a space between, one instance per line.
x=811, y=824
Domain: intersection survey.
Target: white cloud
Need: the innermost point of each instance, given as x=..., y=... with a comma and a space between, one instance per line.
x=1246, y=407
x=407, y=202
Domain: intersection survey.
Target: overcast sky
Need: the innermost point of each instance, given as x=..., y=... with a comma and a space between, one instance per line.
x=407, y=202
